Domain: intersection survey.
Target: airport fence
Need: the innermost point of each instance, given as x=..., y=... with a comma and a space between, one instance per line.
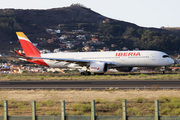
x=92, y=111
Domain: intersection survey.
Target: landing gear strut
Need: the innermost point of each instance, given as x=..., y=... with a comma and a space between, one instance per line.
x=163, y=69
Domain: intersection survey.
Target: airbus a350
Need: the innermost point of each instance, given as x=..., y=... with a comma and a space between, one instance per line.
x=94, y=62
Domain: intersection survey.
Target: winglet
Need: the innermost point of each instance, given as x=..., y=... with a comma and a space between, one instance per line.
x=29, y=49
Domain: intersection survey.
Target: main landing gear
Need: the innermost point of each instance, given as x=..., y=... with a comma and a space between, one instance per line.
x=85, y=73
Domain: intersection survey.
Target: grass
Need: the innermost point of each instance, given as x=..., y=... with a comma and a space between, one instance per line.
x=77, y=76
x=134, y=108
x=139, y=103
x=139, y=99
x=48, y=103
x=81, y=108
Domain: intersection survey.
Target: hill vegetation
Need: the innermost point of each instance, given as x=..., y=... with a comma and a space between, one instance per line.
x=138, y=37
x=35, y=22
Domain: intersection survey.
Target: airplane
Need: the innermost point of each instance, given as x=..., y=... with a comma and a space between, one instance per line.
x=94, y=62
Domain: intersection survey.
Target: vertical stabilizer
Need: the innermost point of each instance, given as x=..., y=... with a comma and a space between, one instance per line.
x=29, y=49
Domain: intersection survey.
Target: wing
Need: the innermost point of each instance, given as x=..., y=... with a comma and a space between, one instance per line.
x=80, y=62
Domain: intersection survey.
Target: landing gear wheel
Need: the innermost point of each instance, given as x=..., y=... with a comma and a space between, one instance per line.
x=85, y=73
x=82, y=73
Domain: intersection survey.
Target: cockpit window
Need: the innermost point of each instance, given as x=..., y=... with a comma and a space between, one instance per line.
x=165, y=56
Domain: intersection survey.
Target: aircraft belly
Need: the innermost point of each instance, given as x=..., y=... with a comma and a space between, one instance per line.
x=134, y=62
x=142, y=62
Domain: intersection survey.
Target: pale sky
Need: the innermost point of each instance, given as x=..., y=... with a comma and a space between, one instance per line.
x=145, y=13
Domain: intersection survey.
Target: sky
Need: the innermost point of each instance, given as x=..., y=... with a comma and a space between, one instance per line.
x=145, y=13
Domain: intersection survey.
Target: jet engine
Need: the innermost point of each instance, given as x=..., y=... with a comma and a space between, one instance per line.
x=98, y=67
x=124, y=69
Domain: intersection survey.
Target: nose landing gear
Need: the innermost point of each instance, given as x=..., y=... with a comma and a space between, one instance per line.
x=163, y=69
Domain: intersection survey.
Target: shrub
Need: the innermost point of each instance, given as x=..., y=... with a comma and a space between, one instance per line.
x=142, y=75
x=49, y=103
x=1, y=103
x=164, y=99
x=98, y=100
x=177, y=111
x=139, y=99
x=129, y=76
x=79, y=113
x=166, y=111
x=119, y=99
x=118, y=111
x=38, y=105
x=81, y=107
x=8, y=77
x=108, y=76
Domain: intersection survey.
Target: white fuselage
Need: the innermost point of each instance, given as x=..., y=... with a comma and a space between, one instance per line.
x=121, y=58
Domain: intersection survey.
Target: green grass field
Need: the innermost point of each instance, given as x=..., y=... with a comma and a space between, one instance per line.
x=76, y=76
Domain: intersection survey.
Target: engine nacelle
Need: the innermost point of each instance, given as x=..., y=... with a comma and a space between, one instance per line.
x=124, y=69
x=98, y=67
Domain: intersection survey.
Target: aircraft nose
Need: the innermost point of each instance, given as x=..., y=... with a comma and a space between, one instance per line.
x=171, y=61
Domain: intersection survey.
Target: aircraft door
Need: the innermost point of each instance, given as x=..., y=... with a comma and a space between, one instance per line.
x=153, y=56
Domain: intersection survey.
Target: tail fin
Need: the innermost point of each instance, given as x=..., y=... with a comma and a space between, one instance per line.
x=29, y=49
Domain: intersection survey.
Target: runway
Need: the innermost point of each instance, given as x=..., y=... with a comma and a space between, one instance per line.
x=67, y=84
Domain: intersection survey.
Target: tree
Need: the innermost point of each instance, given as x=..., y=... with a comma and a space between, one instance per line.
x=77, y=5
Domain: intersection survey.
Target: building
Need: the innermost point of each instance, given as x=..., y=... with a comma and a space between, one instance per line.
x=95, y=40
x=105, y=49
x=69, y=45
x=81, y=37
x=113, y=45
x=50, y=41
x=85, y=48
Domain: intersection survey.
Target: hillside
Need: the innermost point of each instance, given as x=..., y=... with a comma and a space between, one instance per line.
x=123, y=34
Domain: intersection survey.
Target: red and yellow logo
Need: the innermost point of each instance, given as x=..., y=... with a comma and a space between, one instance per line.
x=97, y=68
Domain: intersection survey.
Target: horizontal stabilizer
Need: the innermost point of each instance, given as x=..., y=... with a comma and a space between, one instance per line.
x=19, y=53
x=22, y=55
